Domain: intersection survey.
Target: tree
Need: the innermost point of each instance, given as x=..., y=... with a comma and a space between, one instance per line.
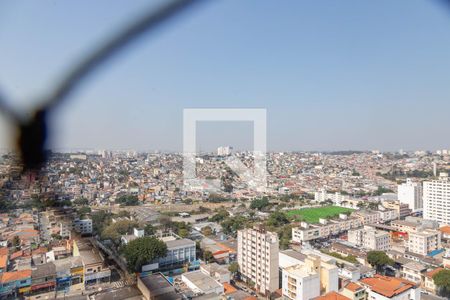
x=142, y=251
x=208, y=256
x=187, y=201
x=149, y=229
x=115, y=230
x=259, y=204
x=84, y=210
x=381, y=190
x=379, y=259
x=232, y=224
x=277, y=219
x=215, y=198
x=56, y=236
x=285, y=236
x=100, y=220
x=183, y=232
x=442, y=281
x=16, y=242
x=81, y=201
x=124, y=214
x=233, y=268
x=219, y=216
x=127, y=200
x=207, y=231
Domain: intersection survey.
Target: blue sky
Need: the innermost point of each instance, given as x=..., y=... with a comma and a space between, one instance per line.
x=333, y=75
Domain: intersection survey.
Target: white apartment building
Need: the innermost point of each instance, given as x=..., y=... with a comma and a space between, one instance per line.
x=309, y=280
x=436, y=199
x=257, y=257
x=368, y=216
x=309, y=232
x=300, y=283
x=413, y=271
x=323, y=195
x=83, y=226
x=388, y=214
x=224, y=151
x=424, y=242
x=64, y=229
x=410, y=193
x=370, y=238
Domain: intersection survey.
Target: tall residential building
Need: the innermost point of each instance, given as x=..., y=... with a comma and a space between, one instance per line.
x=258, y=258
x=436, y=199
x=411, y=193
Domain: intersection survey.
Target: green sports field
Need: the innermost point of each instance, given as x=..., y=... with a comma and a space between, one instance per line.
x=312, y=215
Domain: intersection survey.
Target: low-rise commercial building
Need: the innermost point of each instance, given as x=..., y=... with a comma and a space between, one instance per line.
x=308, y=232
x=201, y=283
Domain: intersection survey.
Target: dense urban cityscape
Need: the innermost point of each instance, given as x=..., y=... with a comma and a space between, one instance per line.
x=224, y=150
x=330, y=225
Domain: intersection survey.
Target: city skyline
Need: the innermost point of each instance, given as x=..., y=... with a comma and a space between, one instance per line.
x=332, y=77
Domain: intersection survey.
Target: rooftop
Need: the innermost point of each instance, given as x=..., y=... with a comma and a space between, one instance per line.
x=412, y=265
x=388, y=286
x=13, y=276
x=354, y=287
x=431, y=273
x=294, y=254
x=332, y=296
x=48, y=269
x=90, y=257
x=159, y=287
x=445, y=229
x=180, y=243
x=201, y=281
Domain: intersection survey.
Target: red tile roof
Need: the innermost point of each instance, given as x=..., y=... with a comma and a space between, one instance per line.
x=332, y=296
x=16, y=254
x=431, y=273
x=3, y=261
x=388, y=286
x=445, y=229
x=14, y=276
x=228, y=288
x=4, y=251
x=354, y=287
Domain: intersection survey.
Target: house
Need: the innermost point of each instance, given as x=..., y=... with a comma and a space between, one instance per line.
x=383, y=287
x=354, y=291
x=413, y=271
x=428, y=284
x=221, y=254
